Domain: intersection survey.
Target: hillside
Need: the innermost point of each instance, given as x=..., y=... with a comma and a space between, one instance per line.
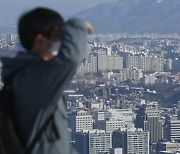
x=135, y=16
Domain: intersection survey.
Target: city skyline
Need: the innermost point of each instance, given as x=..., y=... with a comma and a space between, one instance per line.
x=124, y=97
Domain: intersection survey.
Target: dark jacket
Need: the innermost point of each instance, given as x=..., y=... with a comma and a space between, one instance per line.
x=39, y=84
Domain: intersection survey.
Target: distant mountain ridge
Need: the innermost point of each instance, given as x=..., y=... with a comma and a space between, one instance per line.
x=135, y=16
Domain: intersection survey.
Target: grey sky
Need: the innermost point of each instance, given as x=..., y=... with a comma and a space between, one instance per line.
x=10, y=10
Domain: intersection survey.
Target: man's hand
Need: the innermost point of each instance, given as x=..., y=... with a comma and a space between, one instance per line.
x=89, y=27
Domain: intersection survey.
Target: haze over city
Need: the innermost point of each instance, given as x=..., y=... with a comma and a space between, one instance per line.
x=65, y=7
x=123, y=16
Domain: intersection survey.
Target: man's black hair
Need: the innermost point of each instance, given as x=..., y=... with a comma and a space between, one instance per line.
x=38, y=21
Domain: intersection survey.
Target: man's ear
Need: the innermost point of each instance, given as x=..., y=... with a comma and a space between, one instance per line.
x=39, y=39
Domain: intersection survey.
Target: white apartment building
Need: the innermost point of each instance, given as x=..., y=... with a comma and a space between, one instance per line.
x=111, y=125
x=137, y=141
x=106, y=62
x=146, y=63
x=99, y=142
x=173, y=130
x=116, y=114
x=93, y=142
x=90, y=66
x=80, y=121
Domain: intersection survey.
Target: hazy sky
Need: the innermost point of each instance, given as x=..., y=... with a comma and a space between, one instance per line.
x=11, y=9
